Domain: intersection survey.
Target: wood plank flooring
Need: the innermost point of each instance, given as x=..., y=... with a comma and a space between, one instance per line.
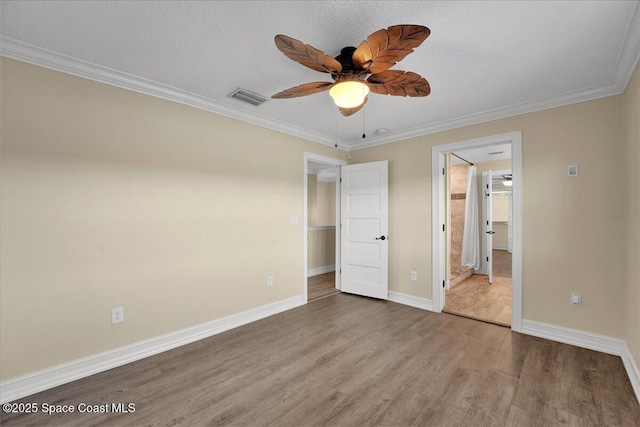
x=346, y=360
x=321, y=285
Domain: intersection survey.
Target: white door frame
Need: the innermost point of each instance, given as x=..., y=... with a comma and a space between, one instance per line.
x=305, y=214
x=438, y=217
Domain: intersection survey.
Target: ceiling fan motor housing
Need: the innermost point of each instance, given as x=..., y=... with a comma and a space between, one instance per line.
x=346, y=60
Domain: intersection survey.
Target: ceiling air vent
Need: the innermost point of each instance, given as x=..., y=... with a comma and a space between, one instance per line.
x=247, y=96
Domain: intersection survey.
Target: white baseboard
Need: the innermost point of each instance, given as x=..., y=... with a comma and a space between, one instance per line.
x=632, y=370
x=321, y=270
x=57, y=375
x=575, y=337
x=410, y=300
x=500, y=247
x=588, y=340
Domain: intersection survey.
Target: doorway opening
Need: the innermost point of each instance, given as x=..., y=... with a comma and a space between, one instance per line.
x=471, y=272
x=479, y=233
x=321, y=248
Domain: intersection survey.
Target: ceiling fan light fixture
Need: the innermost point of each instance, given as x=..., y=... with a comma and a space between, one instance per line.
x=349, y=94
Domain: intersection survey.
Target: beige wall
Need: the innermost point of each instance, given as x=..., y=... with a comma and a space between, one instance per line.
x=112, y=198
x=321, y=248
x=312, y=199
x=500, y=207
x=572, y=227
x=632, y=229
x=321, y=201
x=326, y=203
x=501, y=238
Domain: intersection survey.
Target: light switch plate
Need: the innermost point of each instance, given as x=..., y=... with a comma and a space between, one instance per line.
x=572, y=171
x=294, y=219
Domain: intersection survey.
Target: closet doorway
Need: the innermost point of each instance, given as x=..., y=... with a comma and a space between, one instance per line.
x=321, y=233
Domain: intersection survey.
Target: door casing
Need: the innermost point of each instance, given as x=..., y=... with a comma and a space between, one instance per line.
x=438, y=219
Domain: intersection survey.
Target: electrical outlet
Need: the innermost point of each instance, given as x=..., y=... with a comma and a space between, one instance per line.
x=117, y=315
x=576, y=300
x=269, y=281
x=414, y=275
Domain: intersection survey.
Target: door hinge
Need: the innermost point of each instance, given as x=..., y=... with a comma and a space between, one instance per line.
x=487, y=222
x=487, y=259
x=442, y=171
x=340, y=271
x=443, y=283
x=340, y=226
x=340, y=179
x=442, y=227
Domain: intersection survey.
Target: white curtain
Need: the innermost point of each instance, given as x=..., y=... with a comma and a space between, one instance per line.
x=510, y=224
x=470, y=237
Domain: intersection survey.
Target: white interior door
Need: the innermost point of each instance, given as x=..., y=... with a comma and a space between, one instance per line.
x=488, y=226
x=364, y=221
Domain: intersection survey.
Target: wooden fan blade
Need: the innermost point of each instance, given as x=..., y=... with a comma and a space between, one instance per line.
x=398, y=83
x=303, y=90
x=385, y=48
x=350, y=111
x=307, y=55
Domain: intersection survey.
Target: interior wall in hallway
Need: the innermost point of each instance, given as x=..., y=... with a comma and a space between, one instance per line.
x=321, y=209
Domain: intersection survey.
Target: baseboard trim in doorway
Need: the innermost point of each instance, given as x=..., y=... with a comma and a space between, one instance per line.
x=321, y=270
x=591, y=341
x=62, y=374
x=410, y=300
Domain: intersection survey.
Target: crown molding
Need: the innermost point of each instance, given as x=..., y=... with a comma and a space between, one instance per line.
x=628, y=59
x=25, y=52
x=499, y=113
x=629, y=55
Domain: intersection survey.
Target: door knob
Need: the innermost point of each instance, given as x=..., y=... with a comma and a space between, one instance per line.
x=491, y=232
x=380, y=238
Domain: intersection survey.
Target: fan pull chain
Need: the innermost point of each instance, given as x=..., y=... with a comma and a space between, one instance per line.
x=364, y=114
x=336, y=129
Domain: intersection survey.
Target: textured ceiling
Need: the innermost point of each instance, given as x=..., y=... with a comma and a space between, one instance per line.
x=484, y=60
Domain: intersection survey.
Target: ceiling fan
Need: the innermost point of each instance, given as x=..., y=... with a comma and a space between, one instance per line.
x=349, y=70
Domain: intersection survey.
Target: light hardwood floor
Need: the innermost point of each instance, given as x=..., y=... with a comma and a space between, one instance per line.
x=321, y=285
x=346, y=360
x=477, y=299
